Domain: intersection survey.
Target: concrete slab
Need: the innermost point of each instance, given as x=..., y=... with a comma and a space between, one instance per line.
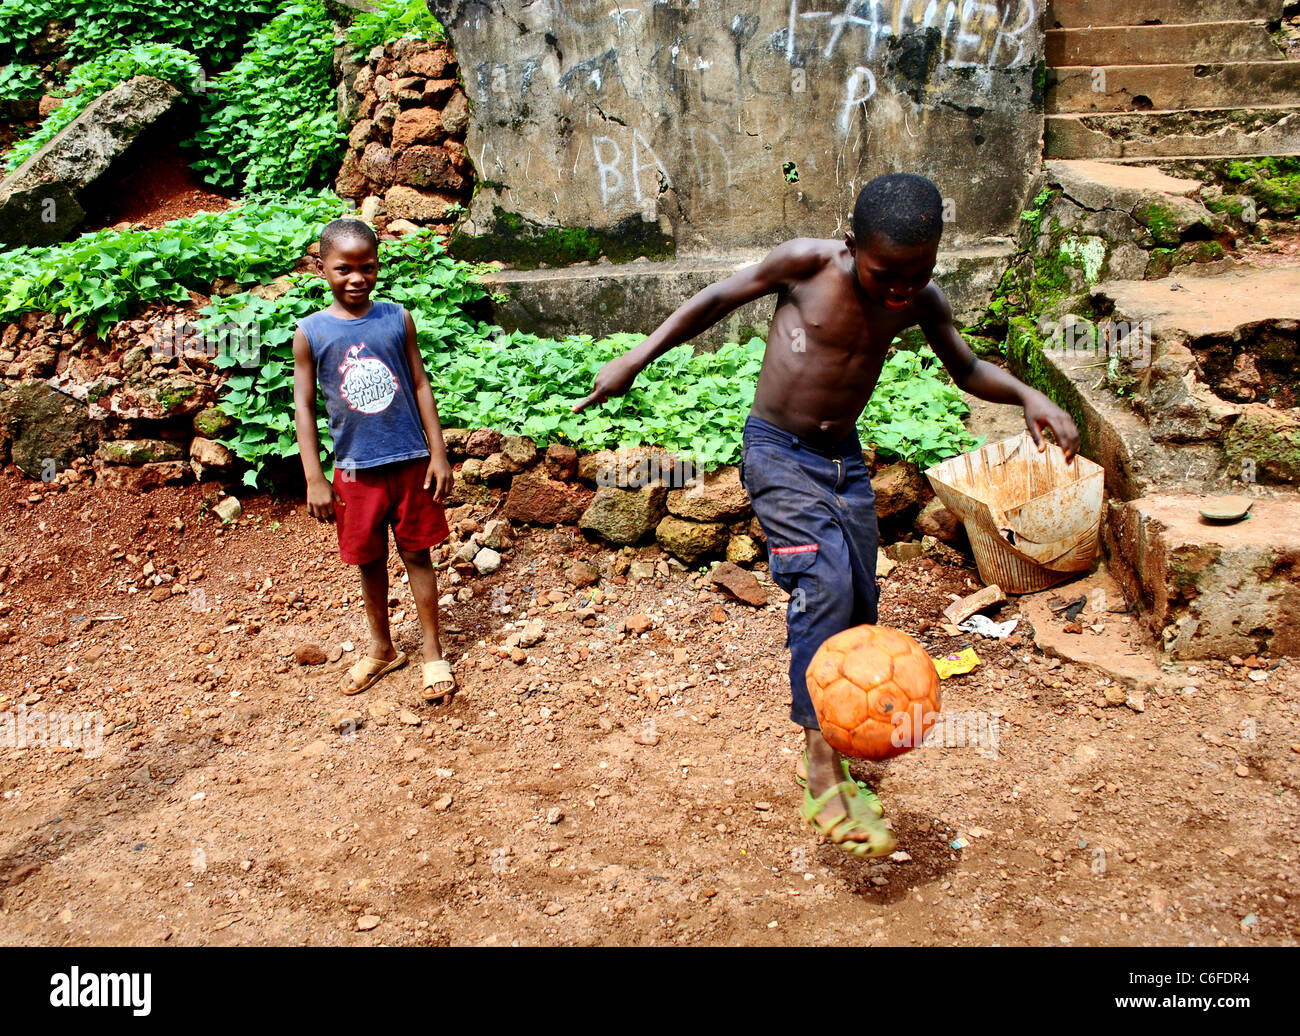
x=1212, y=590
x=1110, y=642
x=607, y=298
x=1205, y=305
x=1169, y=159
x=638, y=296
x=1105, y=185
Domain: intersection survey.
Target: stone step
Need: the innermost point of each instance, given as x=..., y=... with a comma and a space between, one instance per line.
x=1200, y=133
x=1101, y=185
x=1161, y=44
x=1073, y=14
x=1109, y=651
x=1208, y=305
x=1167, y=160
x=1114, y=435
x=1172, y=87
x=1211, y=590
x=638, y=296
x=1184, y=437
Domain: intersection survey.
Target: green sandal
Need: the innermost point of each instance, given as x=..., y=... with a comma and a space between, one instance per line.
x=873, y=803
x=881, y=840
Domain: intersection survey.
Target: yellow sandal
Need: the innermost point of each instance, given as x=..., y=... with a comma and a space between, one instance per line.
x=438, y=674
x=367, y=670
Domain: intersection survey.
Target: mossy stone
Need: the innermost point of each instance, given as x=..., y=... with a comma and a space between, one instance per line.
x=524, y=244
x=1264, y=445
x=213, y=422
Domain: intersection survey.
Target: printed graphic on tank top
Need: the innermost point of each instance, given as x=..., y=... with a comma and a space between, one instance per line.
x=368, y=385
x=362, y=369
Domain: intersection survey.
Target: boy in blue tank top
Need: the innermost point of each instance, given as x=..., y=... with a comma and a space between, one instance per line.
x=390, y=464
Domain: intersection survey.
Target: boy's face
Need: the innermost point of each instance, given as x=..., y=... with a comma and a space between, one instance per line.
x=891, y=273
x=351, y=268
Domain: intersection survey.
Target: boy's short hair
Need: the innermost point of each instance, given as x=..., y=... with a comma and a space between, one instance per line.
x=342, y=230
x=903, y=207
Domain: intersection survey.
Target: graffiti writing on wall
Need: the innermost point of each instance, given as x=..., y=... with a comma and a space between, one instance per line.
x=632, y=168
x=585, y=86
x=973, y=32
x=618, y=179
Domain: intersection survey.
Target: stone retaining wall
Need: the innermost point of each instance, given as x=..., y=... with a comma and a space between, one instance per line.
x=128, y=432
x=641, y=494
x=136, y=408
x=406, y=165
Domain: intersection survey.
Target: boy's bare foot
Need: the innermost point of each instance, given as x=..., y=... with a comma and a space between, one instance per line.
x=436, y=678
x=844, y=815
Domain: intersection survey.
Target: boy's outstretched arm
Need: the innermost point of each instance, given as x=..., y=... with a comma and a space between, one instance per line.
x=785, y=263
x=320, y=492
x=987, y=380
x=438, y=474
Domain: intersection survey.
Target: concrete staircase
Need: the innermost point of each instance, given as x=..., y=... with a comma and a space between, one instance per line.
x=1137, y=80
x=1200, y=402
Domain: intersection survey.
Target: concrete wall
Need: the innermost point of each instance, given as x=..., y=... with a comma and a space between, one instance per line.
x=684, y=114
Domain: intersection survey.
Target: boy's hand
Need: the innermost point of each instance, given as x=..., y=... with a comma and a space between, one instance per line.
x=439, y=475
x=1040, y=413
x=613, y=379
x=321, y=499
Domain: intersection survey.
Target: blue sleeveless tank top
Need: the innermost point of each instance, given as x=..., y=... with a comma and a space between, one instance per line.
x=369, y=392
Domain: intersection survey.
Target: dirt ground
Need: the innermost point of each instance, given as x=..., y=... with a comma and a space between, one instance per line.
x=152, y=185
x=609, y=789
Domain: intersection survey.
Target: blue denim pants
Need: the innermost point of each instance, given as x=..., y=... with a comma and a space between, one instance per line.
x=818, y=512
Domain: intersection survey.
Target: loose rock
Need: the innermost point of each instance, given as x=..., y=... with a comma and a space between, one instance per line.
x=740, y=584
x=309, y=654
x=582, y=574
x=637, y=624
x=487, y=561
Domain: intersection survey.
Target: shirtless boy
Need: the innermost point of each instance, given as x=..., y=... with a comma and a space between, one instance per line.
x=840, y=304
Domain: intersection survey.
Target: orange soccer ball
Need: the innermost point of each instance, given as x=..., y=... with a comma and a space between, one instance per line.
x=875, y=690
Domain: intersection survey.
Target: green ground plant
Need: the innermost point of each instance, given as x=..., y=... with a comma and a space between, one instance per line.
x=271, y=122
x=394, y=20
x=20, y=83
x=96, y=77
x=268, y=124
x=215, y=30
x=1032, y=217
x=97, y=279
x=692, y=403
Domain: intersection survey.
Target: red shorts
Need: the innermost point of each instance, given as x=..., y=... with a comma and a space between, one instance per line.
x=372, y=499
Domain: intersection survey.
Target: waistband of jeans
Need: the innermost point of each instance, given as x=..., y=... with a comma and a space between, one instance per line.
x=849, y=447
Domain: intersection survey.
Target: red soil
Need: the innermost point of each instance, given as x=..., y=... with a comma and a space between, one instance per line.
x=152, y=185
